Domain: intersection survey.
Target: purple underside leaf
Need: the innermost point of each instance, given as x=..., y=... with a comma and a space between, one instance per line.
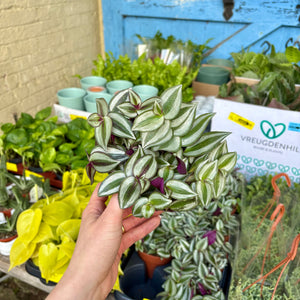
x=129, y=152
x=217, y=212
x=202, y=289
x=158, y=182
x=211, y=236
x=181, y=168
x=90, y=172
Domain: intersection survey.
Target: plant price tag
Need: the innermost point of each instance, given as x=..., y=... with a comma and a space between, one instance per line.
x=267, y=140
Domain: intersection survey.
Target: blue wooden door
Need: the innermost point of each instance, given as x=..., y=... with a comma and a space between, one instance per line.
x=252, y=22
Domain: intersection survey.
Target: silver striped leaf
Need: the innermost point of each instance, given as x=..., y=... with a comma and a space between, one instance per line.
x=208, y=171
x=183, y=204
x=147, y=121
x=94, y=120
x=145, y=166
x=200, y=164
x=145, y=184
x=196, y=162
x=219, y=185
x=165, y=139
x=205, y=192
x=147, y=105
x=114, y=153
x=197, y=130
x=171, y=101
x=172, y=145
x=117, y=99
x=180, y=190
x=186, y=110
x=166, y=173
x=111, y=184
x=148, y=210
x=207, y=142
x=156, y=137
x=227, y=162
x=217, y=152
x=102, y=107
x=134, y=98
x=103, y=132
x=121, y=126
x=130, y=191
x=157, y=109
x=202, y=270
x=102, y=162
x=128, y=110
x=132, y=160
x=184, y=128
x=159, y=201
x=137, y=207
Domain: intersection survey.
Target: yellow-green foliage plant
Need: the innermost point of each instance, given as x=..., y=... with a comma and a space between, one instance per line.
x=47, y=232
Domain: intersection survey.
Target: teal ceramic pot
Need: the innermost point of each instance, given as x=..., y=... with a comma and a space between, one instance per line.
x=118, y=85
x=96, y=90
x=221, y=62
x=145, y=91
x=90, y=101
x=213, y=75
x=71, y=98
x=89, y=81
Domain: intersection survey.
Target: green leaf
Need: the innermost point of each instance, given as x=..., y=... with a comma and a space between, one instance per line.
x=183, y=204
x=219, y=185
x=43, y=114
x=180, y=190
x=103, y=132
x=202, y=245
x=134, y=98
x=148, y=210
x=292, y=54
x=172, y=145
x=197, y=130
x=205, y=192
x=102, y=162
x=145, y=166
x=217, y=152
x=138, y=205
x=111, y=184
x=147, y=121
x=185, y=112
x=121, y=126
x=155, y=137
x=132, y=160
x=202, y=270
x=208, y=171
x=48, y=156
x=227, y=162
x=130, y=191
x=207, y=142
x=184, y=128
x=166, y=173
x=171, y=101
x=159, y=201
x=102, y=107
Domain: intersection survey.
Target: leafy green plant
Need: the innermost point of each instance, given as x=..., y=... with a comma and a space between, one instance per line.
x=157, y=153
x=146, y=71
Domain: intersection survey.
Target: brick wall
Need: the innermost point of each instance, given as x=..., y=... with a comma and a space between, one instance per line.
x=42, y=45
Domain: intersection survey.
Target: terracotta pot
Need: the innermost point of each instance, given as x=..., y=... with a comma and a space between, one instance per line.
x=8, y=239
x=152, y=261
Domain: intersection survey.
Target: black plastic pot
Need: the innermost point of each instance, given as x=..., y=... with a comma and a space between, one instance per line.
x=135, y=284
x=34, y=270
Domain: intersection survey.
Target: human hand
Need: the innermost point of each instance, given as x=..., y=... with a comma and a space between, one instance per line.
x=93, y=268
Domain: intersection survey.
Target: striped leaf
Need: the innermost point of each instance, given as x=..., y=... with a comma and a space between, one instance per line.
x=145, y=166
x=145, y=184
x=159, y=201
x=180, y=190
x=202, y=245
x=184, y=128
x=134, y=98
x=170, y=287
x=121, y=126
x=197, y=162
x=200, y=164
x=94, y=120
x=227, y=162
x=102, y=107
x=172, y=145
x=185, y=111
x=202, y=271
x=164, y=140
x=208, y=171
x=156, y=137
x=147, y=210
x=219, y=185
x=171, y=101
x=205, y=192
x=199, y=125
x=137, y=207
x=111, y=184
x=128, y=110
x=103, y=132
x=132, y=160
x=102, y=162
x=147, y=105
x=118, y=99
x=217, y=152
x=157, y=109
x=207, y=142
x=166, y=173
x=113, y=153
x=130, y=191
x=183, y=204
x=147, y=121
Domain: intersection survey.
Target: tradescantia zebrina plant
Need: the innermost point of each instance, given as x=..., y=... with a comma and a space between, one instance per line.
x=157, y=153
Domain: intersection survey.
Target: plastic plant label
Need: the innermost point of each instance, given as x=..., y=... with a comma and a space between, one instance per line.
x=11, y=167
x=28, y=173
x=272, y=145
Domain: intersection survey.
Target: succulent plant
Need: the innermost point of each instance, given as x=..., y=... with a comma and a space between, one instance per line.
x=198, y=241
x=157, y=153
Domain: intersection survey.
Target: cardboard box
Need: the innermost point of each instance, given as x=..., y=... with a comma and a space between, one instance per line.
x=267, y=140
